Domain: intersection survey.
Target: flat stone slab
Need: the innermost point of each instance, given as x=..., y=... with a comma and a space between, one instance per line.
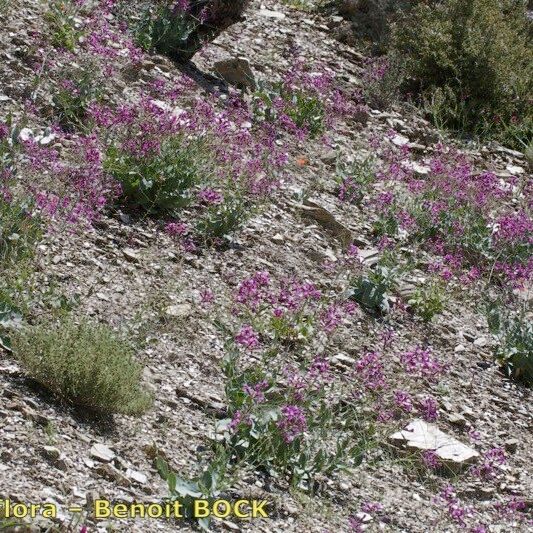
x=419, y=435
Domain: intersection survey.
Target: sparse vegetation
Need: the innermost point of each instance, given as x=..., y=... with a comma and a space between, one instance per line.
x=78, y=88
x=428, y=301
x=298, y=109
x=165, y=29
x=86, y=364
x=514, y=334
x=65, y=30
x=471, y=61
x=180, y=29
x=355, y=180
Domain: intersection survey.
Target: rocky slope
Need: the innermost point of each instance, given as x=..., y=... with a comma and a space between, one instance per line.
x=128, y=272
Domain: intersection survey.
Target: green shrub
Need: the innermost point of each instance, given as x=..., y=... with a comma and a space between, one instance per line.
x=207, y=486
x=305, y=108
x=179, y=33
x=428, y=301
x=163, y=181
x=514, y=333
x=164, y=30
x=372, y=290
x=19, y=233
x=325, y=434
x=472, y=63
x=65, y=31
x=220, y=220
x=355, y=180
x=78, y=88
x=87, y=365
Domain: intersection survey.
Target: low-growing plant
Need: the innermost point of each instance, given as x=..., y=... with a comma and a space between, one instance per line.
x=428, y=300
x=207, y=486
x=85, y=364
x=222, y=219
x=472, y=62
x=78, y=88
x=161, y=180
x=289, y=422
x=292, y=421
x=514, y=334
x=166, y=29
x=19, y=235
x=462, y=215
x=355, y=179
x=65, y=30
x=180, y=29
x=382, y=81
x=372, y=290
x=293, y=108
x=19, y=232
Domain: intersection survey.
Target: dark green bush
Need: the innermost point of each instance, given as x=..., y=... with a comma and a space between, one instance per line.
x=87, y=365
x=472, y=63
x=161, y=182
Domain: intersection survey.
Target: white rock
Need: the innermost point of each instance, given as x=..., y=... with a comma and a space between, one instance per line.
x=400, y=140
x=137, y=476
x=102, y=453
x=514, y=169
x=419, y=435
x=369, y=257
x=25, y=134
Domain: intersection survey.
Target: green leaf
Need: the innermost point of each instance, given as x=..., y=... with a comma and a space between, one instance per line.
x=172, y=480
x=162, y=468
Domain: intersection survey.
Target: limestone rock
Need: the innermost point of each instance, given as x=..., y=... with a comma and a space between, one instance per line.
x=102, y=453
x=422, y=436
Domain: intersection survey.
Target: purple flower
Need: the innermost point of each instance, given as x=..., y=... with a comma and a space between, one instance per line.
x=429, y=409
x=420, y=362
x=238, y=418
x=492, y=459
x=210, y=196
x=431, y=459
x=4, y=131
x=257, y=391
x=247, y=337
x=371, y=507
x=403, y=400
x=293, y=422
x=206, y=297
x=175, y=228
x=369, y=369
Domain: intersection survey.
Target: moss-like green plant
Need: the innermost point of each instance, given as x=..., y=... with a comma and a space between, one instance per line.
x=85, y=364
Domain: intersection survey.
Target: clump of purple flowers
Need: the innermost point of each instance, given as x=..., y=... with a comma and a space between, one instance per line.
x=293, y=422
x=247, y=337
x=492, y=459
x=420, y=362
x=429, y=409
x=370, y=371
